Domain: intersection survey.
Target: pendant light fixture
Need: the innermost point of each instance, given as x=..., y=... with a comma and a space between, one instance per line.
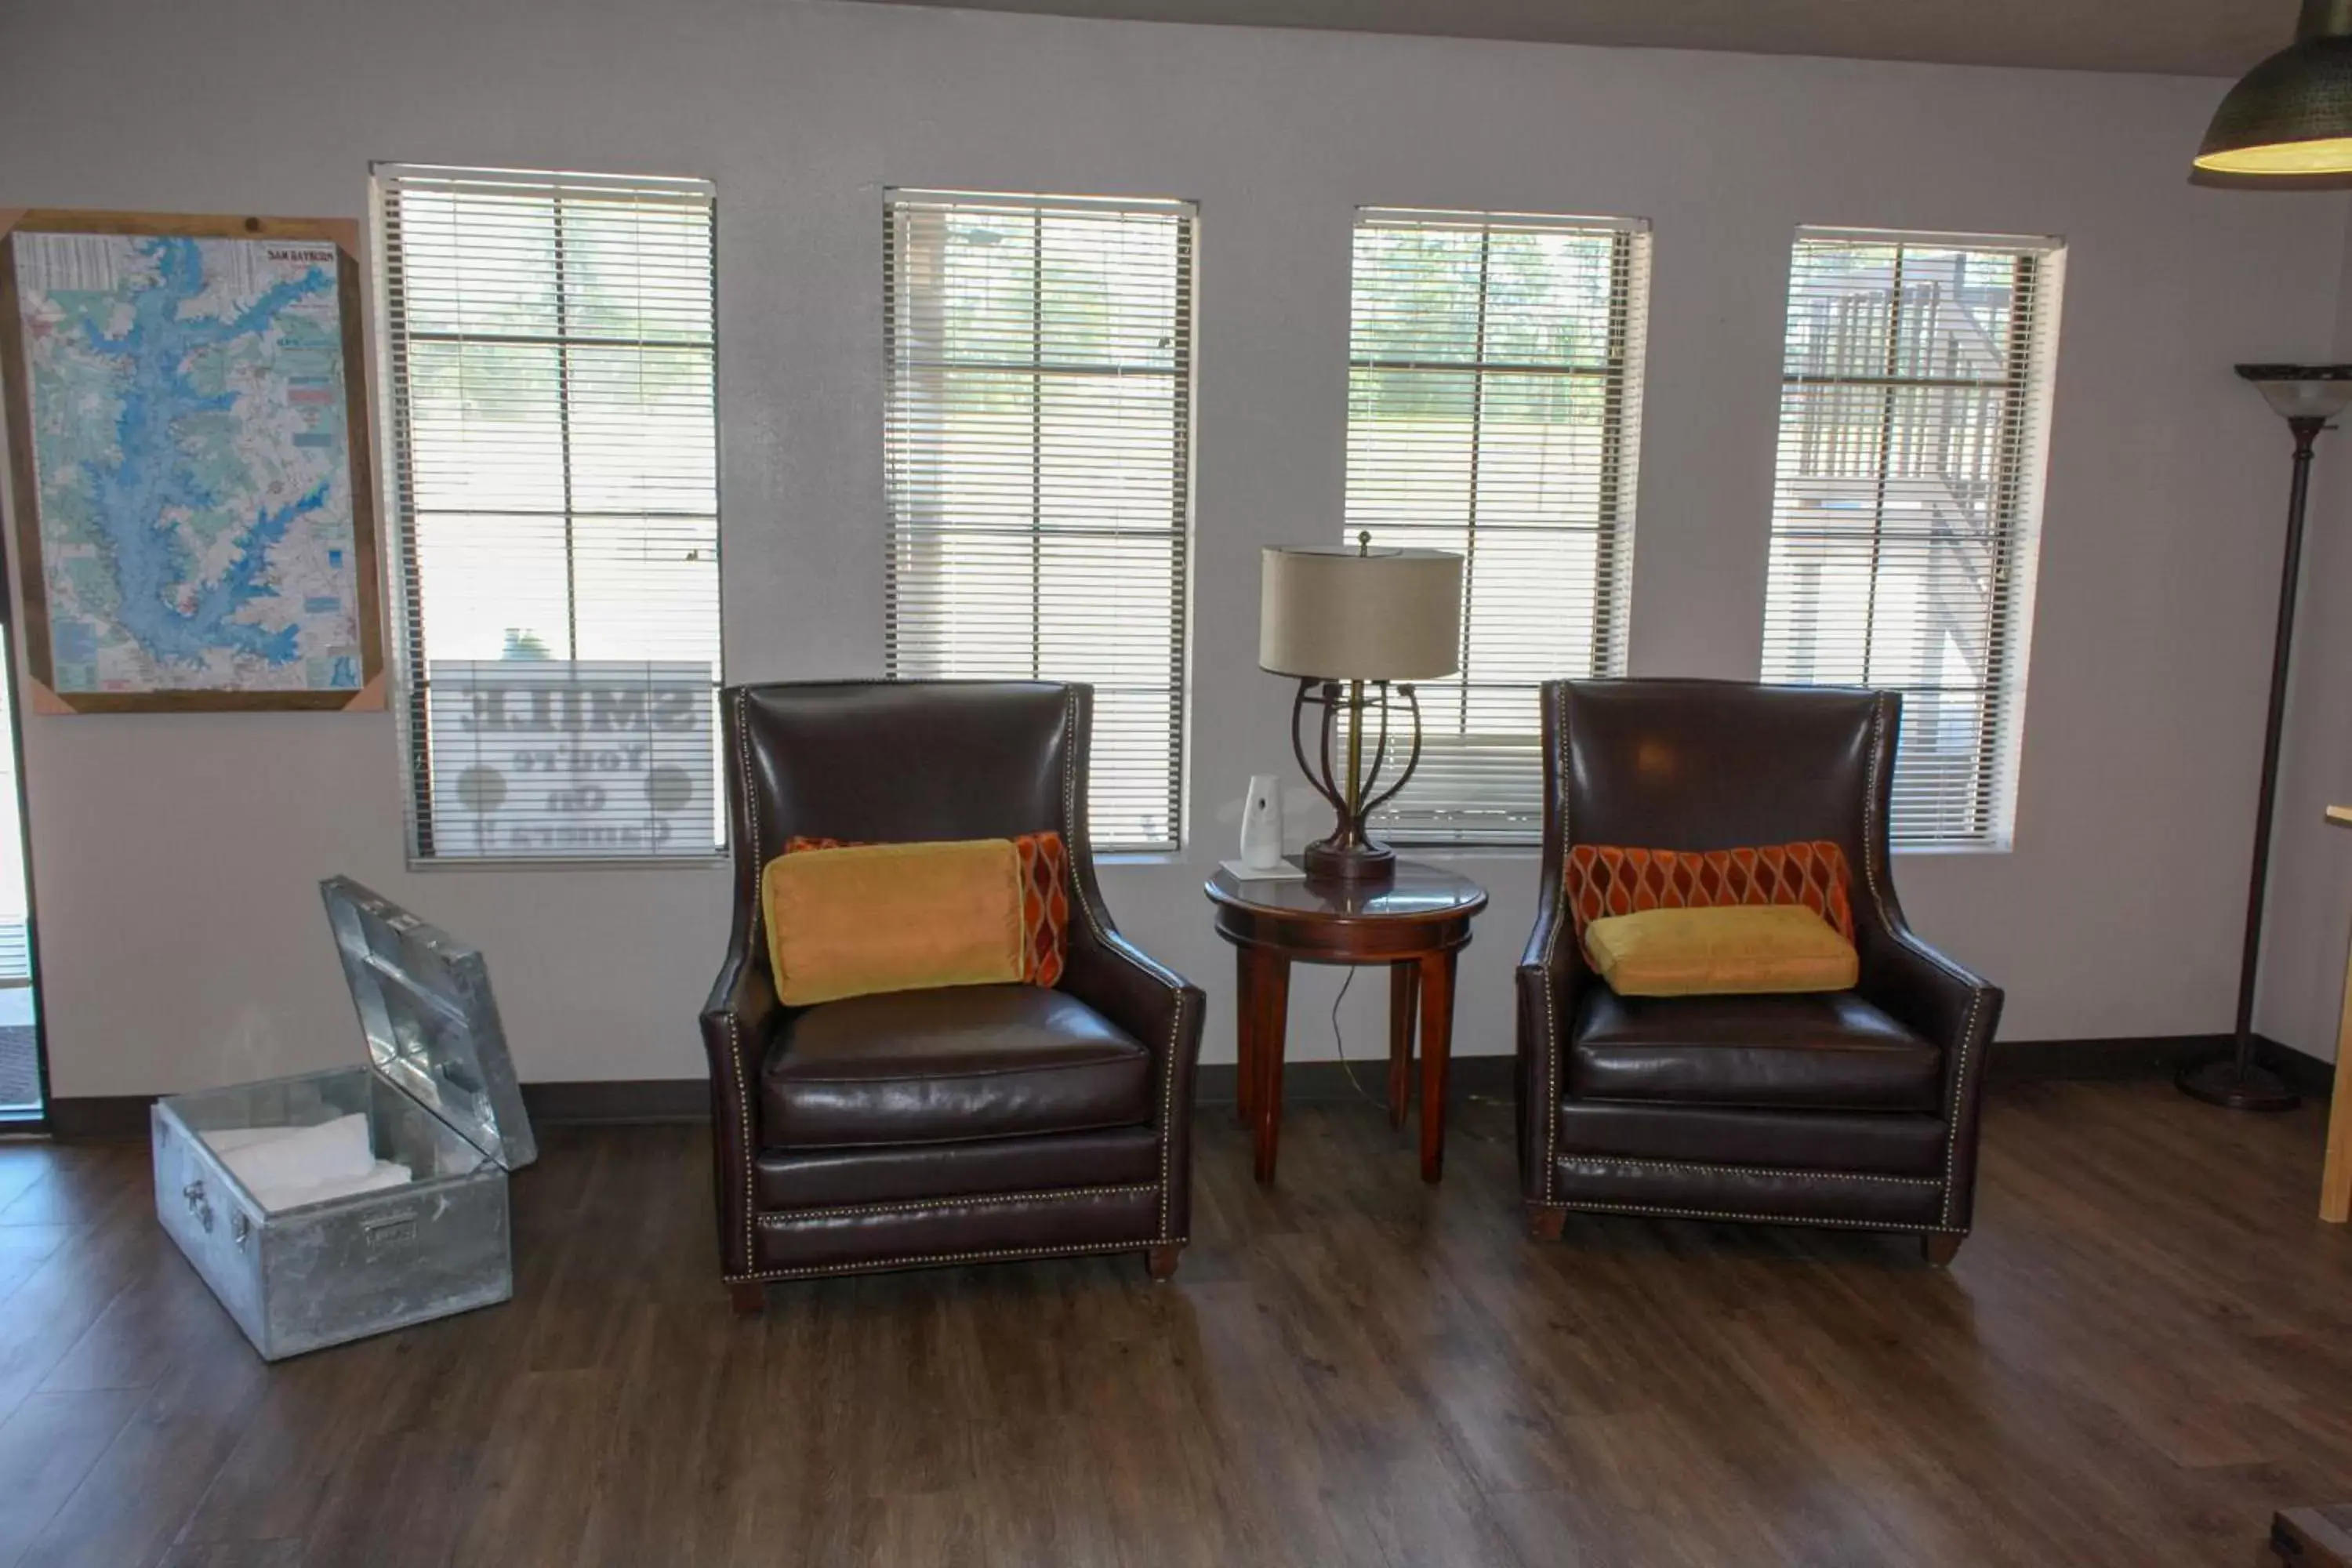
x=2291, y=114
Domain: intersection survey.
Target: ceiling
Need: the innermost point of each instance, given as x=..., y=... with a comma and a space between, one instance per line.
x=2194, y=37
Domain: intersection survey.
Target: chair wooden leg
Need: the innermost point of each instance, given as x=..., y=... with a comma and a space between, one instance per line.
x=1162, y=1261
x=1546, y=1224
x=749, y=1299
x=1940, y=1248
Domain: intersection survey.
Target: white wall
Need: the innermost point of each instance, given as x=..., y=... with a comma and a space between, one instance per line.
x=176, y=855
x=2310, y=910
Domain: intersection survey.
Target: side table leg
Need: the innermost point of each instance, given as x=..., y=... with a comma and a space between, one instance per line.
x=1272, y=985
x=1436, y=1049
x=1244, y=1030
x=1403, y=995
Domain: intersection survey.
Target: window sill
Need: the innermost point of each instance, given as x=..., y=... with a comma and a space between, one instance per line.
x=539, y=863
x=1987, y=846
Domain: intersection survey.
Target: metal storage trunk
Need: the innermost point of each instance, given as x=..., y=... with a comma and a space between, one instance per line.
x=440, y=1097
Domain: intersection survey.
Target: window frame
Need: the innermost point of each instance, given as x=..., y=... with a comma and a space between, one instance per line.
x=411, y=688
x=2017, y=492
x=1623, y=374
x=1183, y=376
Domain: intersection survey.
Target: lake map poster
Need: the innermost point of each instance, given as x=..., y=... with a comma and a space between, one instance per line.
x=189, y=437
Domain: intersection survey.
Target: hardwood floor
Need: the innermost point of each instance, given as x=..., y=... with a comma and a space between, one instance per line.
x=2143, y=1350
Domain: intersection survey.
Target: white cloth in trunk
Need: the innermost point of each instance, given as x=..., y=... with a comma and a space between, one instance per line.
x=286, y=1167
x=302, y=1156
x=386, y=1174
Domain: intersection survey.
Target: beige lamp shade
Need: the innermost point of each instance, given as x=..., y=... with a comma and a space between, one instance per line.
x=1338, y=613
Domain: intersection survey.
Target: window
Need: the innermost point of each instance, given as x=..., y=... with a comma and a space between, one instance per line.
x=551, y=357
x=1039, y=466
x=1914, y=402
x=1494, y=409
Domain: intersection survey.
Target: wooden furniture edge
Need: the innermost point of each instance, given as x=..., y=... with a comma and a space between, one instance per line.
x=2336, y=1179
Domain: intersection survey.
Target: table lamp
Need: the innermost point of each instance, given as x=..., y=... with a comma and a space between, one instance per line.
x=1357, y=627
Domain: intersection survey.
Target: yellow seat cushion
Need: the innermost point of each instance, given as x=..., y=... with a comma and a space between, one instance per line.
x=893, y=917
x=1743, y=949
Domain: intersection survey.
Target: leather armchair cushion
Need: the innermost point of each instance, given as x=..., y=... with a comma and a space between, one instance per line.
x=1827, y=1051
x=946, y=1065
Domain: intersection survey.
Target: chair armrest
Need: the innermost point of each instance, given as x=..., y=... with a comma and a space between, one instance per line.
x=1159, y=1008
x=1940, y=1001
x=1133, y=990
x=1549, y=979
x=737, y=1022
x=1921, y=989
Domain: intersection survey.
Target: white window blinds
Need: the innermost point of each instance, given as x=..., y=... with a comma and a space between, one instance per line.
x=1038, y=457
x=551, y=358
x=1494, y=409
x=1913, y=403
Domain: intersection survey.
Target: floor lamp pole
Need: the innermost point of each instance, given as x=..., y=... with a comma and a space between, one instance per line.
x=2236, y=1080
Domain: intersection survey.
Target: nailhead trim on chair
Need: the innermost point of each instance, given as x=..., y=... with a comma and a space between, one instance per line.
x=1076, y=833
x=734, y=1039
x=1575, y=1205
x=1754, y=1169
x=1960, y=1097
x=1976, y=989
x=1551, y=945
x=743, y=1117
x=917, y=1260
x=908, y=1206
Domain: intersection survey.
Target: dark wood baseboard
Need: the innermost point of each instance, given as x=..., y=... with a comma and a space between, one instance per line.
x=622, y=1101
x=2125, y=1056
x=2146, y=1056
x=611, y=1101
x=98, y=1117
x=2313, y=1078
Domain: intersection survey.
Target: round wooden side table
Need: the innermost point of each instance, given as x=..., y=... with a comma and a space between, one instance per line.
x=1415, y=925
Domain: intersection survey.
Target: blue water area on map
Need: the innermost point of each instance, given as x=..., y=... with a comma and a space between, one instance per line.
x=73, y=642
x=150, y=558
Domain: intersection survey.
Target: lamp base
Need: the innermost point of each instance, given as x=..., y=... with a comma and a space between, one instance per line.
x=2221, y=1081
x=1335, y=860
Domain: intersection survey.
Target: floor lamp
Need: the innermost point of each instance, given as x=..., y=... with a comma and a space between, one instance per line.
x=2308, y=396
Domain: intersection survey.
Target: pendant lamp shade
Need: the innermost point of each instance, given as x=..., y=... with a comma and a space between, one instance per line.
x=2291, y=114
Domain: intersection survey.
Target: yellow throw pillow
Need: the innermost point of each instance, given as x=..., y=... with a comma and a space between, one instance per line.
x=1743, y=949
x=892, y=917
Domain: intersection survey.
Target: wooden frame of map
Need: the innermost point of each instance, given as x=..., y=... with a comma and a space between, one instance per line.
x=213, y=547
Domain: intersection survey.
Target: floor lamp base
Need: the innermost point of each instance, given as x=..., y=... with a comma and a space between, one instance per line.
x=2223, y=1082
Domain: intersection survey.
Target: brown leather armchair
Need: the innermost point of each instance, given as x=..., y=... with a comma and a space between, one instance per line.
x=1854, y=1109
x=961, y=1125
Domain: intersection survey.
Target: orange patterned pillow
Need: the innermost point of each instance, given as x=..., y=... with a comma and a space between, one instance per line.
x=1044, y=902
x=1606, y=879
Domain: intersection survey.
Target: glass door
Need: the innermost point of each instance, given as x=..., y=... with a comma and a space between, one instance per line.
x=23, y=1075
